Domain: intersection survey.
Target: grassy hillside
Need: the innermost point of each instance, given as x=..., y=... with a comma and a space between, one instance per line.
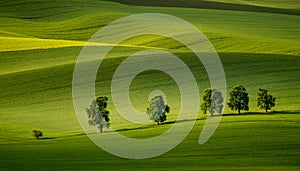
x=288, y=4
x=41, y=40
x=239, y=5
x=246, y=142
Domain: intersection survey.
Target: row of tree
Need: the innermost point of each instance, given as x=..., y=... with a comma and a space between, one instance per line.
x=212, y=100
x=99, y=115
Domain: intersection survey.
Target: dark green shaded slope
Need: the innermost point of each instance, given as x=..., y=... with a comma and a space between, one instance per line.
x=208, y=5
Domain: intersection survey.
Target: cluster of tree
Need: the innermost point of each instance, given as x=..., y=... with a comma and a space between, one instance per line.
x=212, y=100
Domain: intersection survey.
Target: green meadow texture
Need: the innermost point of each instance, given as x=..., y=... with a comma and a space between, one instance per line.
x=258, y=43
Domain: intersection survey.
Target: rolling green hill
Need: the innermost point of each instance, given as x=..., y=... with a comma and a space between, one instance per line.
x=268, y=6
x=41, y=40
x=288, y=4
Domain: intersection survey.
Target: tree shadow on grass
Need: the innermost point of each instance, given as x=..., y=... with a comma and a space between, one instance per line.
x=135, y=128
x=72, y=135
x=42, y=138
x=60, y=137
x=264, y=113
x=46, y=138
x=183, y=120
x=155, y=126
x=286, y=112
x=152, y=126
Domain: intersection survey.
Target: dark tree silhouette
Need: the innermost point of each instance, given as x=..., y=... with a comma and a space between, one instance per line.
x=37, y=134
x=98, y=114
x=239, y=99
x=265, y=100
x=157, y=109
x=212, y=101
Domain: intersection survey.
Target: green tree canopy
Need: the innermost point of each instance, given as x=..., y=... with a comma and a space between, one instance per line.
x=37, y=134
x=98, y=114
x=157, y=109
x=212, y=101
x=264, y=100
x=239, y=99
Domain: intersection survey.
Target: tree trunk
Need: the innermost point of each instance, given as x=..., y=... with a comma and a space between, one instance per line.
x=266, y=110
x=101, y=128
x=239, y=111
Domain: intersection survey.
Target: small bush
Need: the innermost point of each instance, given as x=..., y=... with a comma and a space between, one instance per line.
x=36, y=134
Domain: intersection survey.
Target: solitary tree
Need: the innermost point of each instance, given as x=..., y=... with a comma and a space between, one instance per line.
x=239, y=99
x=212, y=101
x=265, y=100
x=157, y=109
x=37, y=134
x=98, y=114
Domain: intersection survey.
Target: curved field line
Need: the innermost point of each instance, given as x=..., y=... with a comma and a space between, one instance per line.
x=17, y=44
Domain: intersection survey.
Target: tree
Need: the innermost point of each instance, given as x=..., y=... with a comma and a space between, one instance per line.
x=98, y=114
x=239, y=99
x=157, y=109
x=37, y=134
x=265, y=100
x=212, y=101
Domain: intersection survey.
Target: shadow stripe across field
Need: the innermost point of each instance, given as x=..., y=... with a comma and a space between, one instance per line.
x=208, y=5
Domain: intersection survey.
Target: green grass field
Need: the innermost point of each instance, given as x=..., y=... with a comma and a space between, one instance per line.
x=258, y=43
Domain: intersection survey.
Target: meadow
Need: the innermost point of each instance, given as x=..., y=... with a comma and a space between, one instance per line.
x=40, y=43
